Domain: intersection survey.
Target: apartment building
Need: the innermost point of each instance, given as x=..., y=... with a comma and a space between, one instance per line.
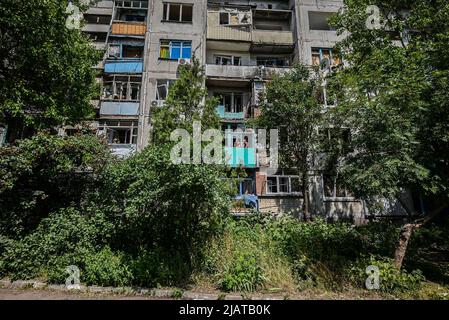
x=241, y=44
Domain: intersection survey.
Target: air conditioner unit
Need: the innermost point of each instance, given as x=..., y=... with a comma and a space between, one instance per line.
x=183, y=61
x=157, y=103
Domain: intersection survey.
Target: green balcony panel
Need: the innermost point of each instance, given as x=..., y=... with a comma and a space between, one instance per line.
x=229, y=115
x=245, y=157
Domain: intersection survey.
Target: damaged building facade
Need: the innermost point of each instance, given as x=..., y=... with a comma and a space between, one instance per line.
x=242, y=45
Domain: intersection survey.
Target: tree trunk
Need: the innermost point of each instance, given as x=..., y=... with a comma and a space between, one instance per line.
x=305, y=194
x=406, y=235
x=401, y=247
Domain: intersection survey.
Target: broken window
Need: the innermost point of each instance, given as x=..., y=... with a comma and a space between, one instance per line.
x=234, y=17
x=320, y=55
x=133, y=18
x=227, y=60
x=272, y=61
x=283, y=184
x=272, y=186
x=177, y=12
x=162, y=87
x=132, y=51
x=224, y=18
x=118, y=132
x=333, y=187
x=232, y=102
x=121, y=88
x=114, y=51
x=238, y=103
x=173, y=50
x=319, y=20
x=125, y=51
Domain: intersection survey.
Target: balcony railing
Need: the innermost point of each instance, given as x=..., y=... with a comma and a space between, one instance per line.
x=245, y=157
x=230, y=115
x=129, y=28
x=131, y=4
x=124, y=66
x=272, y=37
x=113, y=108
x=123, y=150
x=243, y=72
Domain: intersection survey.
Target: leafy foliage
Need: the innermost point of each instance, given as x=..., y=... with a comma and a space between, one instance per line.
x=292, y=105
x=391, y=279
x=62, y=239
x=46, y=74
x=393, y=95
x=187, y=101
x=45, y=173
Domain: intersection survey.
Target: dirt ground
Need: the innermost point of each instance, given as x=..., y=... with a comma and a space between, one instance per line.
x=31, y=294
x=43, y=294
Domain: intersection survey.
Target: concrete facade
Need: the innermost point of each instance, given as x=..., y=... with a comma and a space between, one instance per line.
x=242, y=44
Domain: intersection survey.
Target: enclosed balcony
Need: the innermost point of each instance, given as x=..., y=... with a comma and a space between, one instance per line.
x=230, y=115
x=124, y=66
x=121, y=136
x=119, y=108
x=129, y=28
x=241, y=157
x=273, y=37
x=243, y=72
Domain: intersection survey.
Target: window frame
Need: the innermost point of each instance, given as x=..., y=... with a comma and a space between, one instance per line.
x=233, y=96
x=278, y=185
x=168, y=43
x=219, y=18
x=166, y=12
x=168, y=83
x=332, y=53
x=116, y=85
x=231, y=57
x=105, y=127
x=347, y=196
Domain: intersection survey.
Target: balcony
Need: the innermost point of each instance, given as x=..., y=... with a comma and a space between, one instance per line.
x=129, y=28
x=243, y=72
x=96, y=28
x=131, y=4
x=123, y=150
x=245, y=157
x=237, y=72
x=272, y=37
x=113, y=108
x=230, y=115
x=124, y=66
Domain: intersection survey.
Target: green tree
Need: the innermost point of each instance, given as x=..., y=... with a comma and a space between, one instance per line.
x=187, y=101
x=46, y=70
x=394, y=96
x=43, y=174
x=292, y=105
x=165, y=208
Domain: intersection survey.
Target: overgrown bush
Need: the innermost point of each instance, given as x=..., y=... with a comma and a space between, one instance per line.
x=244, y=273
x=317, y=247
x=158, y=268
x=62, y=239
x=164, y=207
x=144, y=221
x=392, y=280
x=245, y=258
x=43, y=174
x=106, y=268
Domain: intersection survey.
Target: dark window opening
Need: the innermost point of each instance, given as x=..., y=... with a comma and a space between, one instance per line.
x=132, y=52
x=176, y=12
